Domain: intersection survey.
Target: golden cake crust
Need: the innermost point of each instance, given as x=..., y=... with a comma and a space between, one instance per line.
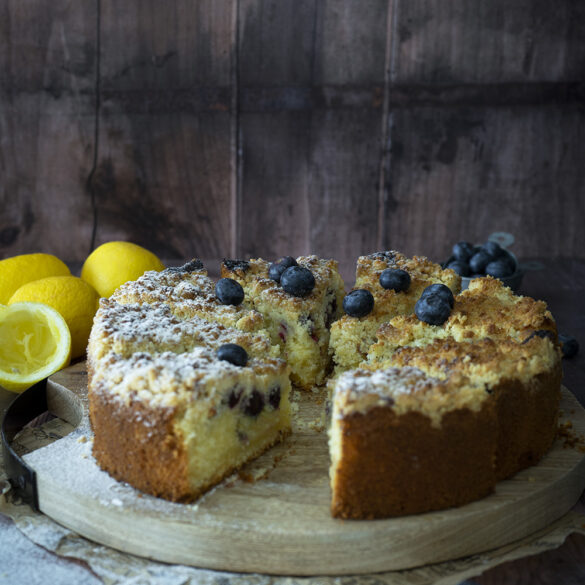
x=428, y=468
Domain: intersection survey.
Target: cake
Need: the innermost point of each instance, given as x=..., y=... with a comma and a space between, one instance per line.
x=300, y=324
x=170, y=414
x=351, y=337
x=190, y=378
x=437, y=414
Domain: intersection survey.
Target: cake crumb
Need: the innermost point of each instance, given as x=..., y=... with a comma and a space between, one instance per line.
x=569, y=437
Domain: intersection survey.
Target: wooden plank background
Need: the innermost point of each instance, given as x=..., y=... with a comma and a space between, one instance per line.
x=269, y=127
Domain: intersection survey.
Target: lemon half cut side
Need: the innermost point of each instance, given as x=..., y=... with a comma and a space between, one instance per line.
x=34, y=343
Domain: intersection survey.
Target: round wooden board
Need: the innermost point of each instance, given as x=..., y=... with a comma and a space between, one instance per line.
x=274, y=518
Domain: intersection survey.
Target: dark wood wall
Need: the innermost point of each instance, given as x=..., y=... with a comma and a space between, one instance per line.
x=217, y=128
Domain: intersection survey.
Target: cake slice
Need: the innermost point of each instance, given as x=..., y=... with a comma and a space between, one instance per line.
x=299, y=323
x=175, y=424
x=351, y=337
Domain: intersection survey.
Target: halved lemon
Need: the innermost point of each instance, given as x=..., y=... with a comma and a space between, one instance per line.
x=34, y=343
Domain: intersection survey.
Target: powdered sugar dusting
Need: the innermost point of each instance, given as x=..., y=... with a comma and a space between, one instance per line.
x=167, y=379
x=403, y=389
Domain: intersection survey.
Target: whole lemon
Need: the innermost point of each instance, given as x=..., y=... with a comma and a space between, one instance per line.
x=76, y=300
x=35, y=342
x=114, y=263
x=18, y=270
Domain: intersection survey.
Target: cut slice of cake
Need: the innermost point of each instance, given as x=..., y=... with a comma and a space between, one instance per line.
x=351, y=337
x=299, y=320
x=175, y=424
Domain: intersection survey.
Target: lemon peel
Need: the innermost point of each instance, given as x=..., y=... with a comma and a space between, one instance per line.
x=114, y=263
x=18, y=270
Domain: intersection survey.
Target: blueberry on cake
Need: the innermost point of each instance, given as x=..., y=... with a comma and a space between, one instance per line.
x=299, y=299
x=394, y=283
x=439, y=412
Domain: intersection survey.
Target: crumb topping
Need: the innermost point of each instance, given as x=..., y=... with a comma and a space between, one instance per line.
x=404, y=389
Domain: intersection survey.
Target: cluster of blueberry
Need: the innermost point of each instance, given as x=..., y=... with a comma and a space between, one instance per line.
x=435, y=304
x=360, y=302
x=489, y=259
x=295, y=280
x=569, y=346
x=433, y=307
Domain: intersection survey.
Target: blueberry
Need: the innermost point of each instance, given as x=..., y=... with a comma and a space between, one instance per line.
x=358, y=303
x=191, y=266
x=499, y=269
x=235, y=264
x=232, y=353
x=277, y=268
x=507, y=258
x=569, y=346
x=432, y=309
x=542, y=333
x=463, y=251
x=479, y=261
x=253, y=404
x=234, y=396
x=229, y=292
x=493, y=250
x=395, y=279
x=274, y=397
x=460, y=267
x=297, y=281
x=439, y=289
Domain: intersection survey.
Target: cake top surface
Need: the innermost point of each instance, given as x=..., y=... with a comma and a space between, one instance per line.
x=154, y=328
x=487, y=362
x=405, y=389
x=487, y=309
x=388, y=302
x=169, y=379
x=253, y=276
x=188, y=291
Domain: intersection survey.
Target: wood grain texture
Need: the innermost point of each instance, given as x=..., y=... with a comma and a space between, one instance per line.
x=163, y=172
x=463, y=173
x=264, y=127
x=281, y=524
x=47, y=71
x=489, y=42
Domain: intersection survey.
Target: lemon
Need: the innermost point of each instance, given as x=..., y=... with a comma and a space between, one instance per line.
x=76, y=300
x=114, y=263
x=34, y=343
x=18, y=270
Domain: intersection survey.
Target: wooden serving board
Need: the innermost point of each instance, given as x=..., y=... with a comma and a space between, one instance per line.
x=279, y=522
